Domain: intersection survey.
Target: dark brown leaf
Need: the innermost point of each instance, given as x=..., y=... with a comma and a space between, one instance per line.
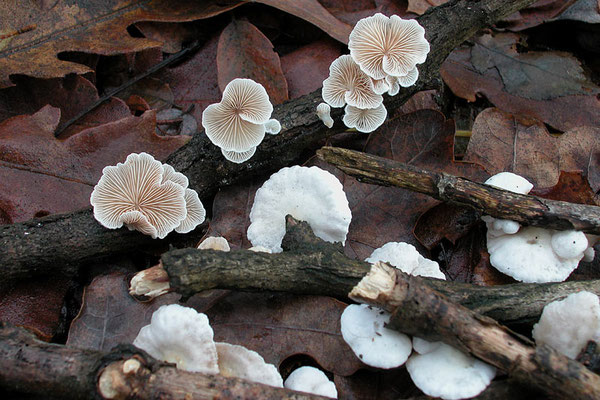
x=444, y=221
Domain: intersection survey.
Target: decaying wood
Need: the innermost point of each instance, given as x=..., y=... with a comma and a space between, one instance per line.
x=528, y=210
x=419, y=310
x=309, y=265
x=49, y=249
x=28, y=365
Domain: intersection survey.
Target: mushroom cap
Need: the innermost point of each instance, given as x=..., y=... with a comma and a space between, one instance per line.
x=272, y=127
x=364, y=120
x=363, y=328
x=182, y=336
x=569, y=244
x=442, y=371
x=347, y=84
x=307, y=194
x=169, y=174
x=567, y=325
x=195, y=212
x=395, y=82
x=380, y=86
x=511, y=182
x=238, y=157
x=324, y=114
x=214, y=243
x=237, y=122
x=528, y=256
x=406, y=258
x=311, y=380
x=388, y=46
x=238, y=361
x=134, y=193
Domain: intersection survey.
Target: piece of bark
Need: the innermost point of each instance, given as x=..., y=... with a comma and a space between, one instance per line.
x=590, y=356
x=525, y=209
x=30, y=366
x=41, y=253
x=419, y=310
x=310, y=265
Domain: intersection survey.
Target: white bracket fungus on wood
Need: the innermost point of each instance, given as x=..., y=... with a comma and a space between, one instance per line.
x=406, y=258
x=215, y=243
x=311, y=380
x=238, y=361
x=567, y=325
x=364, y=120
x=307, y=194
x=347, y=84
x=146, y=195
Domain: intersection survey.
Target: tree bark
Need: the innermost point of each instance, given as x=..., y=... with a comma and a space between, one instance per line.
x=525, y=209
x=28, y=365
x=41, y=251
x=419, y=310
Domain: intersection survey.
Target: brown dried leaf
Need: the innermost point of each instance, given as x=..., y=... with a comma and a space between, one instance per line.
x=91, y=27
x=431, y=228
x=376, y=385
x=41, y=175
x=244, y=52
x=549, y=86
x=572, y=187
x=278, y=326
x=420, y=6
x=350, y=11
x=536, y=14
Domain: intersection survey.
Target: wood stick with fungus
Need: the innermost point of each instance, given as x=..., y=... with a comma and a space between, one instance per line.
x=62, y=243
x=28, y=365
x=421, y=311
x=529, y=210
x=309, y=265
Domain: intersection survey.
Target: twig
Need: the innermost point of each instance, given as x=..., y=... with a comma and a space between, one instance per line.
x=419, y=310
x=530, y=210
x=28, y=365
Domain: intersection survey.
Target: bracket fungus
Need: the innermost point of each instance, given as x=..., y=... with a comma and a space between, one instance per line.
x=307, y=194
x=239, y=122
x=348, y=84
x=238, y=361
x=442, y=371
x=214, y=243
x=146, y=195
x=568, y=324
x=384, y=46
x=364, y=120
x=311, y=380
x=182, y=336
x=406, y=258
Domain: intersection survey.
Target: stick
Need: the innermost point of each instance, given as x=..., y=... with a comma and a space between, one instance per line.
x=419, y=310
x=529, y=210
x=309, y=265
x=28, y=365
x=446, y=27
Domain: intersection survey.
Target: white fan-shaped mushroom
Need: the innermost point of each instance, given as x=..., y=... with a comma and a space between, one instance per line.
x=237, y=123
x=132, y=193
x=169, y=174
x=311, y=380
x=324, y=114
x=182, y=336
x=238, y=157
x=307, y=194
x=406, y=258
x=363, y=328
x=195, y=212
x=272, y=127
x=395, y=82
x=238, y=361
x=215, y=243
x=380, y=86
x=347, y=84
x=364, y=120
x=388, y=46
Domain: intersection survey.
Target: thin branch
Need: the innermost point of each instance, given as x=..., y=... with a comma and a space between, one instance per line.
x=529, y=210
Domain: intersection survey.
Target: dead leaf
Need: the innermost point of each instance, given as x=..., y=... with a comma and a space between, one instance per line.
x=572, y=187
x=313, y=12
x=42, y=175
x=99, y=28
x=536, y=14
x=584, y=11
x=244, y=52
x=278, y=326
x=504, y=142
x=305, y=69
x=420, y=6
x=549, y=86
x=354, y=10
x=445, y=221
x=378, y=384
x=171, y=35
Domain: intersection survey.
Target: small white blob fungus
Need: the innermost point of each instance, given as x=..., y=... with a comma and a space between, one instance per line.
x=442, y=371
x=311, y=380
x=406, y=258
x=307, y=194
x=384, y=46
x=324, y=114
x=347, y=84
x=182, y=336
x=238, y=157
x=237, y=123
x=569, y=244
x=260, y=249
x=567, y=325
x=214, y=243
x=272, y=127
x=238, y=361
x=511, y=182
x=364, y=120
x=363, y=328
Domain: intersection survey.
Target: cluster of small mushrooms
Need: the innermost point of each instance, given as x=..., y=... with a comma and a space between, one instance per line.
x=151, y=197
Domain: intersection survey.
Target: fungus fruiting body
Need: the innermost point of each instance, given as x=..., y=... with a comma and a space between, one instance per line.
x=567, y=325
x=307, y=194
x=238, y=361
x=406, y=258
x=214, y=243
x=347, y=84
x=311, y=380
x=324, y=114
x=146, y=195
x=364, y=120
